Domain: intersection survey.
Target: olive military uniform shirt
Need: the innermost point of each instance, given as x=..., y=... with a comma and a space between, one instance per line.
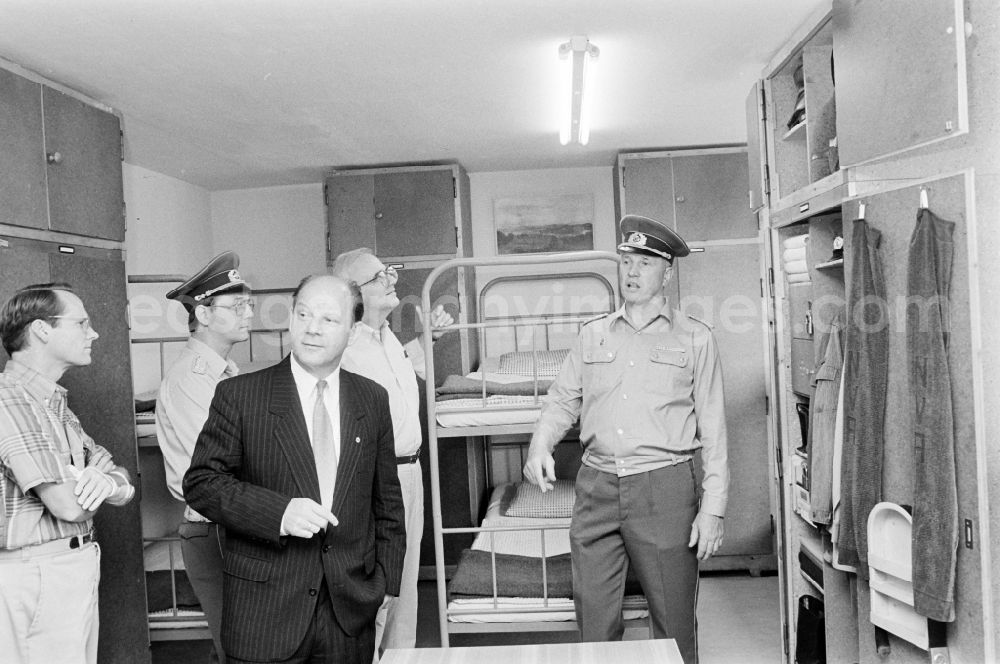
x=646, y=398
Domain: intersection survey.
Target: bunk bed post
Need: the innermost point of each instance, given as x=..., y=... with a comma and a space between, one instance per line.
x=428, y=341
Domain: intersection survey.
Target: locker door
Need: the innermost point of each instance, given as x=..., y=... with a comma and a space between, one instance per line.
x=101, y=396
x=729, y=299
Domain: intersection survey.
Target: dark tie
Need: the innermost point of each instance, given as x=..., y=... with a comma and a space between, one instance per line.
x=323, y=448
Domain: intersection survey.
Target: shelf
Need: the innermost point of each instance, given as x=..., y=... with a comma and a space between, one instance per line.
x=839, y=262
x=798, y=132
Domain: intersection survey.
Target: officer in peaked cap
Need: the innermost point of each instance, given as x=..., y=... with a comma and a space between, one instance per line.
x=219, y=307
x=645, y=235
x=652, y=396
x=219, y=276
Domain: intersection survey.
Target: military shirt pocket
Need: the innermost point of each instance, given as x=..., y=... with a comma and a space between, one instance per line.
x=598, y=367
x=247, y=567
x=669, y=369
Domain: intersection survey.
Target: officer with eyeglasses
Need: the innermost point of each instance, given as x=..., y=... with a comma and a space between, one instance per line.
x=219, y=308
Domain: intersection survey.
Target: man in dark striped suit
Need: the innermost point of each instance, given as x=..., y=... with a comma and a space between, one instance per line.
x=297, y=462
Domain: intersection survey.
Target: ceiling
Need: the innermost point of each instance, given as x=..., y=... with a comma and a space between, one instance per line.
x=229, y=94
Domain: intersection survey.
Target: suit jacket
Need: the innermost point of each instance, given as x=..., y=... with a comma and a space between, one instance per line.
x=252, y=457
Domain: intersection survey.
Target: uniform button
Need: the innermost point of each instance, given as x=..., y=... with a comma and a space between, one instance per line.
x=624, y=396
x=326, y=548
x=312, y=592
x=610, y=354
x=621, y=431
x=631, y=363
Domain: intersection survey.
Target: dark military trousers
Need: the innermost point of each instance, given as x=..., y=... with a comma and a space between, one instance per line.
x=641, y=520
x=935, y=497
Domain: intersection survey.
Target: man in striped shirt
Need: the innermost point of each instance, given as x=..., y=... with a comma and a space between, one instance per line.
x=53, y=479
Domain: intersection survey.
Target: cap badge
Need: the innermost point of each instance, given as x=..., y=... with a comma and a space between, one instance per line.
x=234, y=275
x=637, y=238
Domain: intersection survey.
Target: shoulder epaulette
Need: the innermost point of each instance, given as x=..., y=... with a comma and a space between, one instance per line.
x=594, y=319
x=698, y=320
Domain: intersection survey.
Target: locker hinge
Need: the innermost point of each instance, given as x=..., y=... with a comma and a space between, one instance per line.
x=121, y=143
x=767, y=181
x=784, y=637
x=328, y=256
x=454, y=188
x=456, y=237
x=623, y=177
x=767, y=405
x=125, y=214
x=326, y=200
x=770, y=282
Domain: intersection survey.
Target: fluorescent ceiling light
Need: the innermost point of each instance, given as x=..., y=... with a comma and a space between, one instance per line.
x=579, y=55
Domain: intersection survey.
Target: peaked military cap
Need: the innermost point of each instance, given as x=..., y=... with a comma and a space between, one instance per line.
x=218, y=277
x=648, y=236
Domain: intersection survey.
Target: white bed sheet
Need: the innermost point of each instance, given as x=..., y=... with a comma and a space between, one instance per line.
x=525, y=543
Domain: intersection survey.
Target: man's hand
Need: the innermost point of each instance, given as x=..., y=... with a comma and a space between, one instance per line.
x=706, y=532
x=93, y=487
x=540, y=469
x=305, y=517
x=438, y=318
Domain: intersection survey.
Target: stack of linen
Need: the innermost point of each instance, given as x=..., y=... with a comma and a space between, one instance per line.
x=794, y=258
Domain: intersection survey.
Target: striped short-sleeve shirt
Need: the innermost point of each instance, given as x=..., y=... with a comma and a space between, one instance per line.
x=40, y=438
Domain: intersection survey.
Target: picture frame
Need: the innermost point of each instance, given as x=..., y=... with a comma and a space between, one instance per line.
x=544, y=224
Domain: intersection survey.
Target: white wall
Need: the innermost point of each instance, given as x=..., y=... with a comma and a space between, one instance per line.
x=169, y=223
x=278, y=232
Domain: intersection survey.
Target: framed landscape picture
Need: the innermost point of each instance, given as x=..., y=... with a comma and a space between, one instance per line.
x=546, y=224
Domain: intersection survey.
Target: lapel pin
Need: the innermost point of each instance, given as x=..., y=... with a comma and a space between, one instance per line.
x=357, y=439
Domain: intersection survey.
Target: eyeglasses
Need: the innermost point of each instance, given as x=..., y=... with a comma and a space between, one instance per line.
x=82, y=323
x=239, y=308
x=383, y=276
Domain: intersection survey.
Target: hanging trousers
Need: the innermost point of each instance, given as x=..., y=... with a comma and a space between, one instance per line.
x=866, y=369
x=935, y=499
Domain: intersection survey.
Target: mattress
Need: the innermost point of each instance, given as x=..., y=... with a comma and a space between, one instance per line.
x=503, y=374
x=519, y=552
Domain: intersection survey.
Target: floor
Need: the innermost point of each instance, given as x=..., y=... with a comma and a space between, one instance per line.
x=738, y=622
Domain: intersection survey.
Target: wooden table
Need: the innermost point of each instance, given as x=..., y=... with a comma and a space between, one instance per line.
x=660, y=651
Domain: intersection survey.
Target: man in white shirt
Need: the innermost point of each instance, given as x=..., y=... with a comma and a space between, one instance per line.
x=219, y=308
x=376, y=353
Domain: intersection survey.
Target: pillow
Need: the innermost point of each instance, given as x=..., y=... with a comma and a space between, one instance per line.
x=520, y=363
x=529, y=501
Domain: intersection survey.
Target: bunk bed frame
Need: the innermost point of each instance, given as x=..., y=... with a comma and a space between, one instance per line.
x=492, y=618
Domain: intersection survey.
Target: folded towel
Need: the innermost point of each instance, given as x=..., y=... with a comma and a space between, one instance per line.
x=795, y=242
x=797, y=278
x=797, y=267
x=796, y=254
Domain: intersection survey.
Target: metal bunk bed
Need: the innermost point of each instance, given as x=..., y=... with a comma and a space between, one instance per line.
x=529, y=550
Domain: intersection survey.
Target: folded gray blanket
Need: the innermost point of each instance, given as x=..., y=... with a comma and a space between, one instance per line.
x=518, y=576
x=460, y=387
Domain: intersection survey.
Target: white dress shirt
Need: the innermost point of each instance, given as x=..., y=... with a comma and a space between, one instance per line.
x=305, y=383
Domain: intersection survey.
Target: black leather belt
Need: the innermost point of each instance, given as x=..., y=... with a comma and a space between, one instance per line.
x=76, y=541
x=413, y=458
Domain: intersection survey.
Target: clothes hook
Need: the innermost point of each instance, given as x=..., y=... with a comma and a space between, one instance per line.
x=923, y=198
x=861, y=210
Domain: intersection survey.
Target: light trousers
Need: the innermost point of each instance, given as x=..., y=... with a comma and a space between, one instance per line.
x=48, y=606
x=396, y=621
